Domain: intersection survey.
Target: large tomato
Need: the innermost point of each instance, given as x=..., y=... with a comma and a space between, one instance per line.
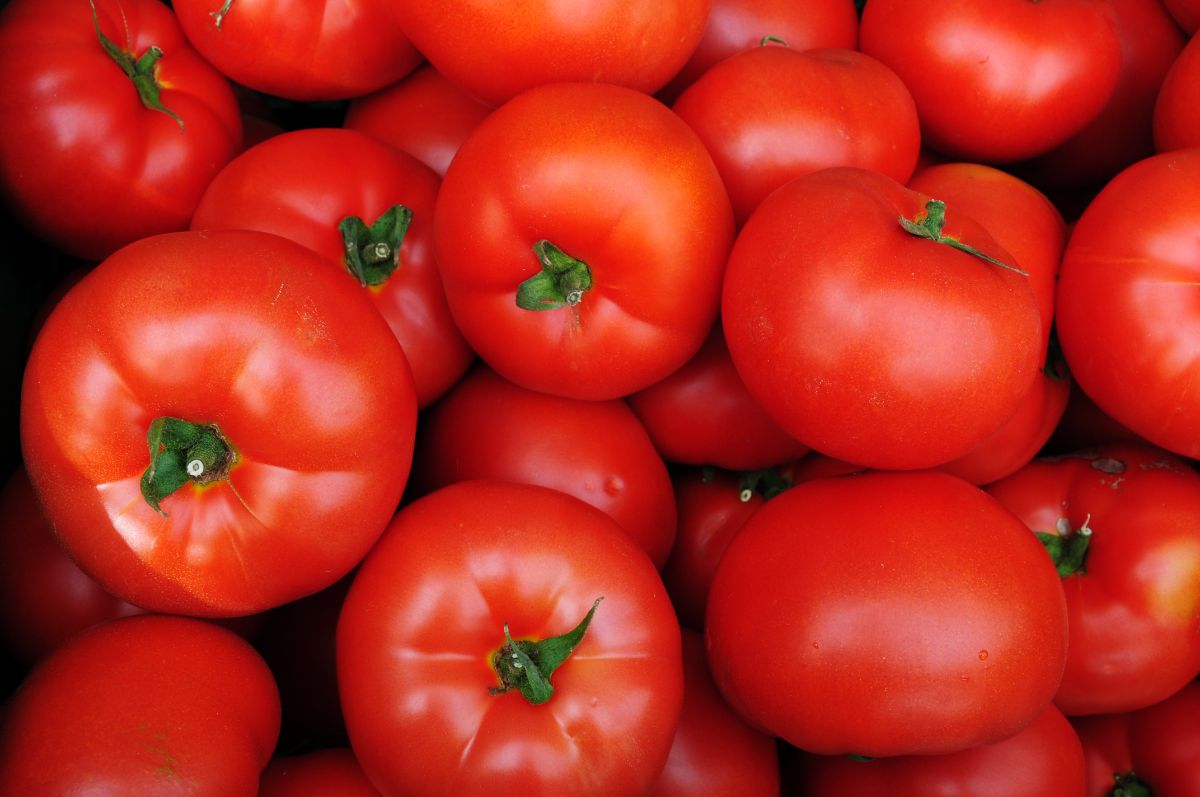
x=582, y=231
x=865, y=333
x=509, y=639
x=117, y=131
x=203, y=408
x=886, y=614
x=1176, y=112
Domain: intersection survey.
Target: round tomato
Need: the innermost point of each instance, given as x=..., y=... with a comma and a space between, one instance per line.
x=582, y=231
x=202, y=408
x=886, y=613
x=320, y=773
x=117, y=131
x=506, y=638
x=1176, y=112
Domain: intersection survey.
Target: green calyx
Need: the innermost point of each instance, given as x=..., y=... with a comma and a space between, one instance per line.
x=526, y=665
x=562, y=282
x=929, y=225
x=1067, y=547
x=183, y=452
x=139, y=69
x=1128, y=785
x=768, y=483
x=373, y=253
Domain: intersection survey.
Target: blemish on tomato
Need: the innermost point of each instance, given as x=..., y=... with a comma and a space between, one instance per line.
x=983, y=654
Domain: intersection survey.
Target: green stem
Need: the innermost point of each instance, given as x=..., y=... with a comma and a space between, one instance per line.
x=768, y=482
x=929, y=225
x=1129, y=785
x=373, y=253
x=1067, y=547
x=142, y=70
x=526, y=665
x=219, y=15
x=182, y=452
x=562, y=282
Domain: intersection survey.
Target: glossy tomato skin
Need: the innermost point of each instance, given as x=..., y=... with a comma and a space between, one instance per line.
x=149, y=705
x=259, y=336
x=1134, y=605
x=80, y=120
x=319, y=773
x=998, y=81
x=1125, y=315
x=613, y=178
x=299, y=50
x=886, y=613
x=865, y=342
x=1176, y=119
x=597, y=451
x=426, y=613
x=350, y=174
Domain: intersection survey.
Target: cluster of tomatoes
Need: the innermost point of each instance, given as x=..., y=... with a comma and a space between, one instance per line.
x=730, y=397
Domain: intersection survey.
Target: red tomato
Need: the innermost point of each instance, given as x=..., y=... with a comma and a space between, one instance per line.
x=770, y=113
x=151, y=705
x=1043, y=760
x=85, y=162
x=321, y=773
x=597, y=451
x=1186, y=13
x=350, y=175
x=867, y=342
x=702, y=414
x=241, y=369
x=1176, y=112
x=424, y=114
x=998, y=80
x=301, y=50
x=496, y=51
x=1126, y=316
x=632, y=224
x=850, y=615
x=1127, y=521
x=457, y=592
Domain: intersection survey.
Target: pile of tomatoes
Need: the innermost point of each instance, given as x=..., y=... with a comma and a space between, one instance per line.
x=730, y=397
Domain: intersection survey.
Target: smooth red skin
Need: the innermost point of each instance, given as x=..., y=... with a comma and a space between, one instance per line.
x=427, y=610
x=772, y=113
x=613, y=178
x=711, y=512
x=83, y=164
x=1176, y=112
x=319, y=773
x=714, y=754
x=495, y=52
x=44, y=596
x=1160, y=743
x=1043, y=760
x=424, y=114
x=597, y=451
x=702, y=414
x=1186, y=14
x=349, y=173
x=1135, y=609
x=737, y=25
x=303, y=51
x=997, y=81
x=1125, y=311
x=907, y=352
x=256, y=334
x=849, y=615
x=150, y=705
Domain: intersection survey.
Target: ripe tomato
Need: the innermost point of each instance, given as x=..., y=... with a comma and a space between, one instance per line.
x=240, y=368
x=88, y=161
x=151, y=705
x=457, y=592
x=1186, y=13
x=886, y=613
x=1176, y=112
x=582, y=232
x=320, y=773
x=1123, y=524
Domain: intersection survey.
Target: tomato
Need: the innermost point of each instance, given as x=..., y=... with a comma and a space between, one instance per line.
x=769, y=114
x=497, y=51
x=702, y=414
x=1186, y=13
x=424, y=114
x=147, y=705
x=319, y=773
x=1126, y=319
x=998, y=80
x=1045, y=759
x=300, y=50
x=85, y=162
x=582, y=231
x=1176, y=117
x=907, y=352
x=886, y=613
x=360, y=193
x=597, y=451
x=240, y=370
x=1156, y=748
x=1123, y=524
x=468, y=583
